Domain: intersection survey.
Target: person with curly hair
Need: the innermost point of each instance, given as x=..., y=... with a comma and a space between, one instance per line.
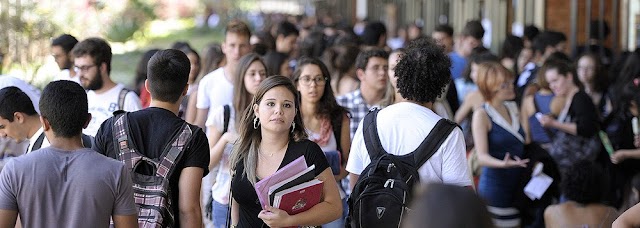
x=422, y=72
x=583, y=185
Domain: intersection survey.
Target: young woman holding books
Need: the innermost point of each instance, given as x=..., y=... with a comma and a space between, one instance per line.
x=271, y=135
x=326, y=122
x=251, y=72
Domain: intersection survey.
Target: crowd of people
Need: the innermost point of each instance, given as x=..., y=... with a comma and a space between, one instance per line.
x=209, y=127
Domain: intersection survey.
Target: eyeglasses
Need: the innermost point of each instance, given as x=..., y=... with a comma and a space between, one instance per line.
x=83, y=68
x=307, y=80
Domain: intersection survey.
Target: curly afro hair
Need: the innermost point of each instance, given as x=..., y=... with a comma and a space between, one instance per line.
x=583, y=182
x=423, y=71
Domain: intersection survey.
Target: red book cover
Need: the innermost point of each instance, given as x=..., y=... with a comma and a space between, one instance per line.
x=291, y=169
x=299, y=198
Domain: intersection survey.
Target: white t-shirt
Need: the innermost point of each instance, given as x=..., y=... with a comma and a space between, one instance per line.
x=65, y=75
x=102, y=106
x=220, y=190
x=214, y=90
x=401, y=128
x=31, y=91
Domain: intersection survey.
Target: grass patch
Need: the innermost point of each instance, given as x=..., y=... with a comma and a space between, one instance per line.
x=124, y=65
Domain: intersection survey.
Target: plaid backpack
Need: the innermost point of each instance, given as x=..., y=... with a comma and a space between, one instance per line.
x=151, y=192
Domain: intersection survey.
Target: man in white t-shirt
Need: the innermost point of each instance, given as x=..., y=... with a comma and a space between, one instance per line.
x=216, y=88
x=422, y=74
x=61, y=51
x=93, y=65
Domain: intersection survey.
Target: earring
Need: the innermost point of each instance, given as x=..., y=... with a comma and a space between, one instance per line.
x=256, y=123
x=293, y=126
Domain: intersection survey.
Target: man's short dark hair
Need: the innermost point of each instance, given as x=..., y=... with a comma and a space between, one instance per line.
x=474, y=29
x=444, y=28
x=64, y=105
x=594, y=29
x=363, y=58
x=547, y=39
x=168, y=73
x=372, y=33
x=97, y=48
x=14, y=100
x=530, y=32
x=286, y=28
x=583, y=182
x=423, y=71
x=66, y=41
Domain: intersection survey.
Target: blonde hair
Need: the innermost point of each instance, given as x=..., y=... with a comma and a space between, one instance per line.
x=490, y=76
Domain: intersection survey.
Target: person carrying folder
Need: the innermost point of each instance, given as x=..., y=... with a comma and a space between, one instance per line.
x=271, y=135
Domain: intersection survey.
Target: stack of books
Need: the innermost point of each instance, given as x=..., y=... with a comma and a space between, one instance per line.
x=293, y=188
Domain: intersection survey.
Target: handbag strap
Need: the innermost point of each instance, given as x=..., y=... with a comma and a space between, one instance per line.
x=233, y=173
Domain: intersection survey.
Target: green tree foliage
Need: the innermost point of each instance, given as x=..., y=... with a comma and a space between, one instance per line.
x=24, y=34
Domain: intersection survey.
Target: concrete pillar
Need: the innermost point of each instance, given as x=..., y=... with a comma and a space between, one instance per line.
x=361, y=9
x=496, y=11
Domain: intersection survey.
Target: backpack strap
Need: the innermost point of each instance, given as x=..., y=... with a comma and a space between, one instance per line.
x=173, y=151
x=38, y=143
x=370, y=132
x=227, y=115
x=121, y=98
x=433, y=141
x=336, y=124
x=125, y=150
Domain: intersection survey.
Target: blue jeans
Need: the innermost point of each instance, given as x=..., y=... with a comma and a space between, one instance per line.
x=219, y=216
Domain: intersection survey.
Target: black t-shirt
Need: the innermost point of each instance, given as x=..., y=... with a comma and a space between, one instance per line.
x=245, y=194
x=583, y=112
x=151, y=130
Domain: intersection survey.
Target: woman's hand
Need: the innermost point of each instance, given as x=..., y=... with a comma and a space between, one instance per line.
x=517, y=162
x=547, y=121
x=274, y=217
x=618, y=156
x=636, y=141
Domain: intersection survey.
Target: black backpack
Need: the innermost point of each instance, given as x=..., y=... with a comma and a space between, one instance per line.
x=384, y=189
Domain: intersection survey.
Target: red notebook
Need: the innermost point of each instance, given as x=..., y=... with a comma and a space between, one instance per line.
x=299, y=198
x=291, y=169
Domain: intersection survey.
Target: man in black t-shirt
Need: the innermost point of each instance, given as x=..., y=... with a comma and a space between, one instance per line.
x=151, y=129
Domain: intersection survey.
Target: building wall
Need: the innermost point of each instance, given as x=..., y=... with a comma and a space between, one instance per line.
x=558, y=18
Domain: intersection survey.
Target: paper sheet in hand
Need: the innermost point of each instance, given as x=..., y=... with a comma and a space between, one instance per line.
x=291, y=169
x=537, y=186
